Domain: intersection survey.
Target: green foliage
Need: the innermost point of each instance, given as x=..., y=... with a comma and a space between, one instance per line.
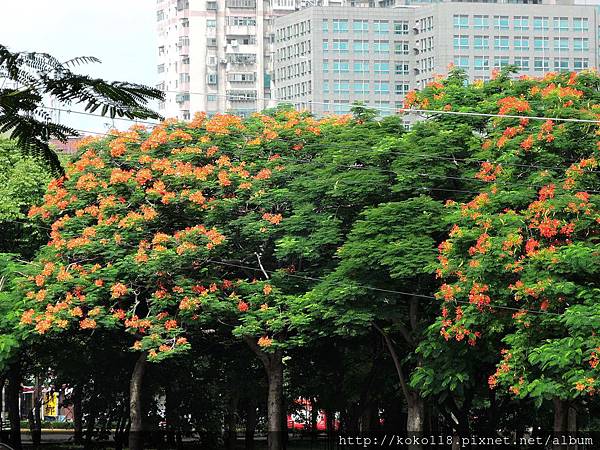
x=522, y=255
x=39, y=75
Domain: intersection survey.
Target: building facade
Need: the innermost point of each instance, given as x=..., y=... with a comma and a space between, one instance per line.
x=216, y=55
x=328, y=57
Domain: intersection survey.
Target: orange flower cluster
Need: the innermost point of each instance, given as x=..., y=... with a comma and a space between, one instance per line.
x=478, y=296
x=513, y=105
x=482, y=245
x=275, y=219
x=489, y=171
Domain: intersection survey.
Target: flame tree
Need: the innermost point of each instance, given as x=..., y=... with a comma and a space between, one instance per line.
x=521, y=261
x=142, y=225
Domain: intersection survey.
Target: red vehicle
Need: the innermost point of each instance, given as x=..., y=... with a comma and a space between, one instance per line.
x=301, y=419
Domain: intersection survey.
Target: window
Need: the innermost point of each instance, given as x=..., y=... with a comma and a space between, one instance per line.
x=521, y=43
x=461, y=41
x=581, y=63
x=560, y=23
x=501, y=22
x=325, y=66
x=481, y=63
x=462, y=62
x=541, y=64
x=521, y=22
x=561, y=64
x=361, y=66
x=360, y=46
x=340, y=25
x=381, y=46
x=184, y=77
x=580, y=24
x=522, y=63
x=401, y=48
x=481, y=42
x=341, y=87
x=359, y=26
x=381, y=67
x=325, y=46
x=481, y=22
x=461, y=21
x=541, y=43
x=540, y=23
x=501, y=42
x=402, y=68
x=160, y=68
x=381, y=26
x=561, y=43
x=401, y=27
x=211, y=78
x=341, y=107
x=325, y=87
x=340, y=46
x=340, y=66
x=325, y=25
x=211, y=23
x=501, y=61
x=381, y=87
x=361, y=87
x=402, y=88
x=241, y=21
x=581, y=44
x=211, y=98
x=160, y=15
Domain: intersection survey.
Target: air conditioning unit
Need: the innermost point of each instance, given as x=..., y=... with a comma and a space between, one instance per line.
x=234, y=43
x=223, y=61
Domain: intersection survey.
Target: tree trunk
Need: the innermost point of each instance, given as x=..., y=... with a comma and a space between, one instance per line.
x=561, y=414
x=13, y=394
x=276, y=420
x=171, y=414
x=250, y=424
x=136, y=439
x=275, y=410
x=34, y=416
x=231, y=422
x=77, y=416
x=415, y=422
x=572, y=426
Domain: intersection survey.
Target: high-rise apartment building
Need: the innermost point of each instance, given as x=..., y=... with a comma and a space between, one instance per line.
x=328, y=57
x=216, y=55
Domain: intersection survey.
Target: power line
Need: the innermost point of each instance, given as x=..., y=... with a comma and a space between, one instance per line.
x=371, y=288
x=407, y=110
x=85, y=113
x=408, y=154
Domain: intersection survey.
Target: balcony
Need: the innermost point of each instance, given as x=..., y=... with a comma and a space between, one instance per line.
x=241, y=58
x=240, y=96
x=241, y=4
x=184, y=49
x=240, y=30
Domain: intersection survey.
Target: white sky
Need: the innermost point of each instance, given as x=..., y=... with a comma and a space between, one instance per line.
x=121, y=33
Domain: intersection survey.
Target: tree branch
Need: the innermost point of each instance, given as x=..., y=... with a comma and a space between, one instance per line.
x=403, y=384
